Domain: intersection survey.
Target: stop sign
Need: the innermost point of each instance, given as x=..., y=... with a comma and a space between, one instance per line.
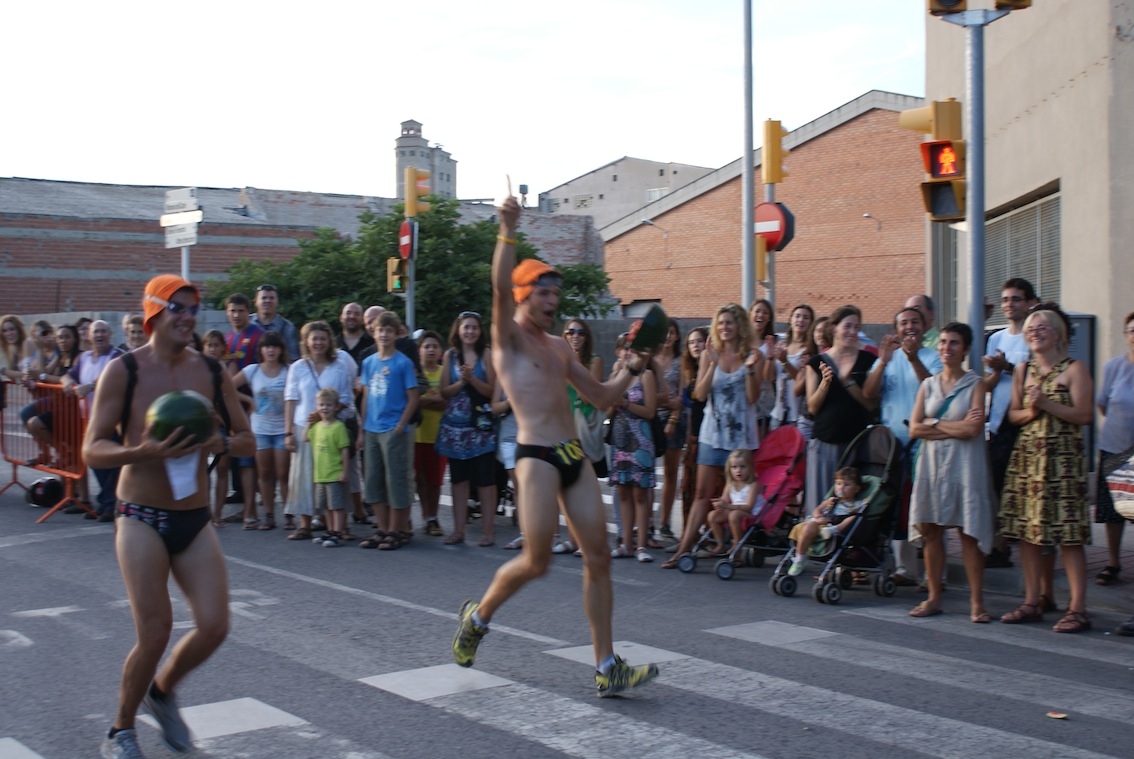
x=775, y=223
x=407, y=238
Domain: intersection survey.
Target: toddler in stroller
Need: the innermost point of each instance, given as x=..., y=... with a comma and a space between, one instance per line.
x=742, y=497
x=831, y=518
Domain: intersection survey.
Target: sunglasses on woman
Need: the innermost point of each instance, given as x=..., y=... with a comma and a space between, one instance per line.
x=575, y=331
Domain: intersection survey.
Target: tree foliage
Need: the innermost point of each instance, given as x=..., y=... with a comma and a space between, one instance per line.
x=453, y=271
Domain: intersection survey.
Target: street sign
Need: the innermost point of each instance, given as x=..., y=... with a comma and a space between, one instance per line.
x=407, y=239
x=184, y=217
x=180, y=235
x=181, y=200
x=775, y=223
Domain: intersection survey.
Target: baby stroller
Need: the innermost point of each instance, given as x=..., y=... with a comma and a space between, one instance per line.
x=865, y=547
x=780, y=464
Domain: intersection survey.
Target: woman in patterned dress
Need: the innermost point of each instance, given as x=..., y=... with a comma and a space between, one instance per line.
x=632, y=469
x=1045, y=490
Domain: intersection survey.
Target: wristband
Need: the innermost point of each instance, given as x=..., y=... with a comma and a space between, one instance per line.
x=506, y=240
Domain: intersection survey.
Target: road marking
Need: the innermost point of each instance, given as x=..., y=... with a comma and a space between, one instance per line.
x=391, y=601
x=39, y=537
x=240, y=715
x=978, y=677
x=59, y=614
x=432, y=682
x=911, y=730
x=10, y=748
x=1014, y=635
x=569, y=725
x=13, y=639
x=628, y=650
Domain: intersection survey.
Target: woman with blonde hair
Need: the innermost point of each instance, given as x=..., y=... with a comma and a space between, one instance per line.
x=1045, y=488
x=728, y=380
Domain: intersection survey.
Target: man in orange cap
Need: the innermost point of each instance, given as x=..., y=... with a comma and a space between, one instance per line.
x=551, y=468
x=163, y=515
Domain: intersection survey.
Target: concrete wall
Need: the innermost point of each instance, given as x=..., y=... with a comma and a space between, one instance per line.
x=1058, y=109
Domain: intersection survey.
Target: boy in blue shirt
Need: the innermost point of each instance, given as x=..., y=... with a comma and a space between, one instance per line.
x=389, y=398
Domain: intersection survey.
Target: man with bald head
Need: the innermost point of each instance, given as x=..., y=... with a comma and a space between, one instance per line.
x=354, y=339
x=80, y=382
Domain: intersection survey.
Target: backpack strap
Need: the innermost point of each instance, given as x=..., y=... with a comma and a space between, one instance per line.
x=130, y=361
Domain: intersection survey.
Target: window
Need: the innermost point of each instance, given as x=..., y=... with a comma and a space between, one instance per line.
x=600, y=196
x=582, y=202
x=661, y=172
x=615, y=177
x=1025, y=243
x=656, y=194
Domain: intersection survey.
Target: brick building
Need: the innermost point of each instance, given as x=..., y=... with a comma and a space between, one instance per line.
x=75, y=246
x=847, y=163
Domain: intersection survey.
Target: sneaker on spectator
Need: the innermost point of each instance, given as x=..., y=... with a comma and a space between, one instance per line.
x=797, y=565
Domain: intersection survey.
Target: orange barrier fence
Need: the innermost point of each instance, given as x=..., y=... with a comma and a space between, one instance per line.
x=50, y=441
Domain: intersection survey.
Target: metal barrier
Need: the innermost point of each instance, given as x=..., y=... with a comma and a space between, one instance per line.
x=59, y=450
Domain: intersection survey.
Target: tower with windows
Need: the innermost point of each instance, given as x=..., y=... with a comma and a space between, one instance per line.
x=412, y=149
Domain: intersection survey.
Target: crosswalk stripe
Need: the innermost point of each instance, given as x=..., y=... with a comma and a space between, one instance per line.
x=565, y=724
x=390, y=600
x=1023, y=636
x=10, y=748
x=240, y=715
x=978, y=677
x=865, y=718
x=39, y=537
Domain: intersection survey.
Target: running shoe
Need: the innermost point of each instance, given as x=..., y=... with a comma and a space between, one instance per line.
x=468, y=635
x=174, y=732
x=621, y=676
x=124, y=745
x=797, y=565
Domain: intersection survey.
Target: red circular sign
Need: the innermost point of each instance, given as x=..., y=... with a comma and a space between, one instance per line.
x=405, y=239
x=775, y=224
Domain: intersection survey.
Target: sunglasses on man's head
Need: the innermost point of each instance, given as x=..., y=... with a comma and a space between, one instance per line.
x=175, y=308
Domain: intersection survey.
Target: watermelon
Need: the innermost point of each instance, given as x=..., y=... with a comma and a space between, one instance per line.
x=181, y=408
x=648, y=333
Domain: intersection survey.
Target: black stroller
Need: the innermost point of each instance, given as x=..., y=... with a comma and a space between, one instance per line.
x=865, y=547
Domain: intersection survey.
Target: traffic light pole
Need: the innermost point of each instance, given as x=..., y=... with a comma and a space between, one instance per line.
x=770, y=284
x=748, y=180
x=974, y=22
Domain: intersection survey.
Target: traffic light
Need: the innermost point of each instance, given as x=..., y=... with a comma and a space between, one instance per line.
x=943, y=157
x=1013, y=5
x=397, y=275
x=942, y=7
x=944, y=192
x=772, y=156
x=416, y=186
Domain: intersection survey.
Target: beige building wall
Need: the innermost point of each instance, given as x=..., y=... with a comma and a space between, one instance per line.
x=1058, y=108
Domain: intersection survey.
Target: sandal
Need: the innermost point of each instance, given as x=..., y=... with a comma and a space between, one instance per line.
x=1023, y=613
x=620, y=553
x=980, y=617
x=433, y=529
x=1073, y=622
x=374, y=540
x=454, y=540
x=487, y=542
x=671, y=563
x=516, y=544
x=300, y=534
x=393, y=541
x=269, y=523
x=923, y=609
x=218, y=523
x=251, y=523
x=289, y=522
x=1108, y=576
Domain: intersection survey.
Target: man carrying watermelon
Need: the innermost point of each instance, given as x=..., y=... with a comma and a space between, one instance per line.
x=551, y=468
x=163, y=516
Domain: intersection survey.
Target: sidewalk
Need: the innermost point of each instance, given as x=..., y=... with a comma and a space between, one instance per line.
x=1117, y=598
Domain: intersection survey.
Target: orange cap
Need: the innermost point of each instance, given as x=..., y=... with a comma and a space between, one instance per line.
x=158, y=292
x=526, y=276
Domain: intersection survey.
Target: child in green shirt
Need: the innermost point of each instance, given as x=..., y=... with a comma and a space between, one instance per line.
x=330, y=452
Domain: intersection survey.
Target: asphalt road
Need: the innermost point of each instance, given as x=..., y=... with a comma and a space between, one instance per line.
x=344, y=653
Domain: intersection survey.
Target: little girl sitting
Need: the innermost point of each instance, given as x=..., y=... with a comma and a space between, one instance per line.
x=741, y=498
x=833, y=516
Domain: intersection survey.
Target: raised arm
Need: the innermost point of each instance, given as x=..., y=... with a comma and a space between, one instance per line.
x=503, y=261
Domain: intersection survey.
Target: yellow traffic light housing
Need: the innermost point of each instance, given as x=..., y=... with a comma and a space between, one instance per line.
x=397, y=275
x=772, y=156
x=761, y=259
x=943, y=7
x=416, y=186
x=941, y=119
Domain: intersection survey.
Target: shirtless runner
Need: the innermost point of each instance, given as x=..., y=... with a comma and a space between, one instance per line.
x=551, y=468
x=157, y=535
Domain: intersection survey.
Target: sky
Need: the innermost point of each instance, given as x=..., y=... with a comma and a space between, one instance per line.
x=310, y=96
